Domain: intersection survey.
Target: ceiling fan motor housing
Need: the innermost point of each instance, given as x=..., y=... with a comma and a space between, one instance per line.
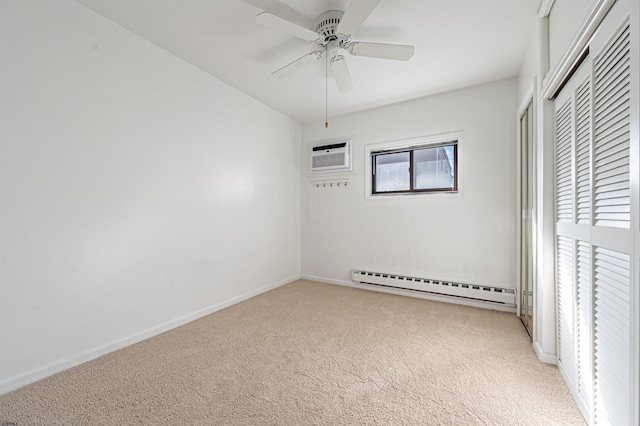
x=327, y=27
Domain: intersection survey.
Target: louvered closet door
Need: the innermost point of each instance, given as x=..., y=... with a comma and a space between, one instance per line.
x=612, y=320
x=594, y=230
x=573, y=222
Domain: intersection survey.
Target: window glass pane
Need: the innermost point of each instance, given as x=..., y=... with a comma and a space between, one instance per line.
x=392, y=172
x=434, y=167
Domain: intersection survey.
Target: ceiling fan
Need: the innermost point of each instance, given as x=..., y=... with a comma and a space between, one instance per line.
x=331, y=33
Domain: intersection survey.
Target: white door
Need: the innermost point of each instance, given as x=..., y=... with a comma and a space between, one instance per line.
x=594, y=228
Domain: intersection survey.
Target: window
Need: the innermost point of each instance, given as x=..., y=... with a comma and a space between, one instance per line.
x=426, y=168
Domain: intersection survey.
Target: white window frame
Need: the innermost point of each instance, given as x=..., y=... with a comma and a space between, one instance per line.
x=408, y=144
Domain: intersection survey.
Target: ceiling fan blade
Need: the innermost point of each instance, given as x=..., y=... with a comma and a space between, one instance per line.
x=280, y=24
x=297, y=64
x=355, y=15
x=341, y=74
x=399, y=52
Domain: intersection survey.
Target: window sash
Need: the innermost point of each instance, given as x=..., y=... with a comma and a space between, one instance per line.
x=412, y=169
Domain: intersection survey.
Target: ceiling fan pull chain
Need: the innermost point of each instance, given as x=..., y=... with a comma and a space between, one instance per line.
x=326, y=90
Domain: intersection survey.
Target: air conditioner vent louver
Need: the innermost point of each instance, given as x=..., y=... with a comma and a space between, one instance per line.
x=328, y=160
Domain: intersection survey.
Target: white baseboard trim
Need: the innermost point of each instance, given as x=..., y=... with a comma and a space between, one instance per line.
x=327, y=280
x=20, y=380
x=543, y=356
x=420, y=295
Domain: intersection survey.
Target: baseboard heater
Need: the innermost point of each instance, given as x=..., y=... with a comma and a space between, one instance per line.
x=503, y=296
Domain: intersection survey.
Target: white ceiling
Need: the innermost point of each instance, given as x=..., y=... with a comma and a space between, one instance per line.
x=458, y=43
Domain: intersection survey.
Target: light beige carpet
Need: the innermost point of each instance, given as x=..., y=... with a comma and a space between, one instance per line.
x=312, y=353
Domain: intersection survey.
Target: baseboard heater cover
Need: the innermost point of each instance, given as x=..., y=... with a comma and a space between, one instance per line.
x=504, y=296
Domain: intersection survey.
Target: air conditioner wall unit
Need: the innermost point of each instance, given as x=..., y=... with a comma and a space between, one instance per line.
x=334, y=156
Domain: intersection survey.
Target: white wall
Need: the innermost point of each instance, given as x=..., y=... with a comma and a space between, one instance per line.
x=468, y=237
x=529, y=74
x=565, y=19
x=137, y=191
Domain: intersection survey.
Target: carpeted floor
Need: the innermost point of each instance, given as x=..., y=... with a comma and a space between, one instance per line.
x=312, y=353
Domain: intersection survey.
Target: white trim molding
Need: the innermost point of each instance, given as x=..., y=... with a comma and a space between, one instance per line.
x=547, y=358
x=34, y=375
x=545, y=8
